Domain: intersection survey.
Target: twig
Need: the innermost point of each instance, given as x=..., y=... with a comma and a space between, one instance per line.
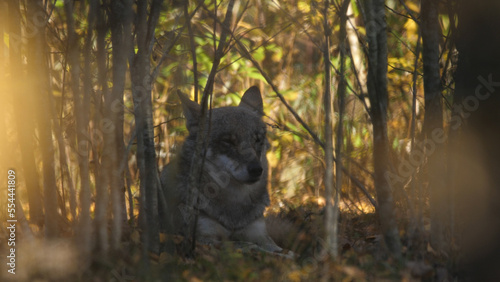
x=408, y=10
x=403, y=42
x=255, y=48
x=405, y=70
x=359, y=165
x=398, y=13
x=299, y=25
x=193, y=49
x=164, y=56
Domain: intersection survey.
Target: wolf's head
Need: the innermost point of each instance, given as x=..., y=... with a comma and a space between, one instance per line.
x=236, y=138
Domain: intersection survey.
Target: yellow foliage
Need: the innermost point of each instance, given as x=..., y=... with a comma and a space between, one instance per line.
x=291, y=95
x=304, y=7
x=393, y=61
x=272, y=159
x=412, y=6
x=412, y=30
x=286, y=138
x=277, y=56
x=294, y=275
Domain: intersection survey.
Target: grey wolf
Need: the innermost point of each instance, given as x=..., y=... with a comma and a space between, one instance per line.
x=232, y=194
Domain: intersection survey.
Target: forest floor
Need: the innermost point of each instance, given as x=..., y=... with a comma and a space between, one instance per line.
x=363, y=257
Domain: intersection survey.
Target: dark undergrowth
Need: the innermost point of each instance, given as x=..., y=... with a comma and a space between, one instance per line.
x=363, y=257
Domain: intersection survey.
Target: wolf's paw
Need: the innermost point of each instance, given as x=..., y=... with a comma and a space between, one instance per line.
x=272, y=250
x=268, y=244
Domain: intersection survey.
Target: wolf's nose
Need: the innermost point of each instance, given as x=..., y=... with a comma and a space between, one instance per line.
x=254, y=169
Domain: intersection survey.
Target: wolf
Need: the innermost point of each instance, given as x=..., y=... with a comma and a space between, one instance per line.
x=232, y=193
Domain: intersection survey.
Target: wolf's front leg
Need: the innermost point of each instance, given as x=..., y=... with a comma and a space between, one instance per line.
x=256, y=233
x=210, y=231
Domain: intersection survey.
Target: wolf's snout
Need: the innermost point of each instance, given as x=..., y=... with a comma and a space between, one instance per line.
x=254, y=169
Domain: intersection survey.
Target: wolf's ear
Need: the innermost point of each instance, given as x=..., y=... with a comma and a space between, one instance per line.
x=252, y=100
x=191, y=111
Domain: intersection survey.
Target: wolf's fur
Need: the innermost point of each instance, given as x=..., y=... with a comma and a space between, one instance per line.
x=232, y=194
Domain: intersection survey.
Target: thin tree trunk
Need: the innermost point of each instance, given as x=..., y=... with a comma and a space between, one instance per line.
x=433, y=121
x=120, y=37
x=331, y=196
x=82, y=106
x=25, y=115
x=64, y=166
x=106, y=128
x=356, y=51
x=73, y=57
x=340, y=125
x=415, y=226
x=38, y=74
x=377, y=91
x=141, y=91
x=330, y=220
